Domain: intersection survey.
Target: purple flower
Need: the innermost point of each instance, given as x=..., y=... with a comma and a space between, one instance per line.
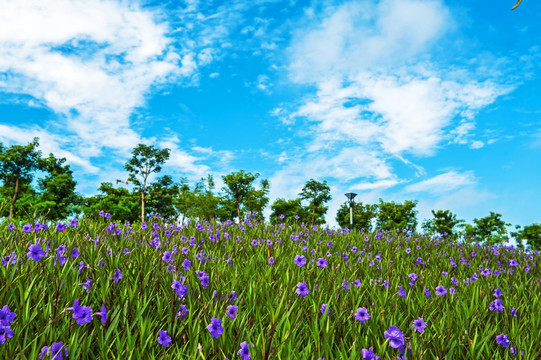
x=419, y=325
x=401, y=292
x=271, y=260
x=56, y=351
x=102, y=314
x=232, y=311
x=163, y=338
x=186, y=264
x=6, y=316
x=215, y=327
x=362, y=314
x=5, y=333
x=300, y=260
x=181, y=290
x=167, y=257
x=75, y=253
x=60, y=227
x=369, y=354
x=11, y=227
x=322, y=263
x=395, y=336
x=302, y=289
x=497, y=293
x=427, y=292
x=182, y=311
x=441, y=291
x=244, y=351
x=496, y=305
x=27, y=228
x=86, y=284
x=107, y=215
x=35, y=252
x=7, y=259
x=117, y=276
x=323, y=309
x=84, y=315
x=203, y=279
x=74, y=223
x=502, y=340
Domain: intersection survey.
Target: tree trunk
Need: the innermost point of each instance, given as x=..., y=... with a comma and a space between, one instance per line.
x=14, y=197
x=313, y=215
x=142, y=207
x=238, y=209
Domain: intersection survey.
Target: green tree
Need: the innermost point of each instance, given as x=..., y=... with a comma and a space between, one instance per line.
x=489, y=229
x=239, y=187
x=161, y=195
x=317, y=194
x=363, y=214
x=17, y=164
x=392, y=216
x=185, y=200
x=256, y=200
x=227, y=208
x=444, y=221
x=207, y=204
x=469, y=233
x=531, y=234
x=57, y=197
x=119, y=202
x=290, y=209
x=24, y=204
x=145, y=160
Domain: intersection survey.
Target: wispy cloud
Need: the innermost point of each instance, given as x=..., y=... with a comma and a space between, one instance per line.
x=443, y=183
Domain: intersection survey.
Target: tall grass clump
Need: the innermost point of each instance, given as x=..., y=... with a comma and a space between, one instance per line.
x=97, y=289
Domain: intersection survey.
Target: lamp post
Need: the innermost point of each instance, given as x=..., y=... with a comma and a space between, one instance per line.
x=350, y=197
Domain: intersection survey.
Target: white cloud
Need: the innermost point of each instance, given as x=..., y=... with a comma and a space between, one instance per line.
x=48, y=143
x=382, y=184
x=364, y=35
x=92, y=61
x=536, y=139
x=443, y=183
x=477, y=144
x=379, y=93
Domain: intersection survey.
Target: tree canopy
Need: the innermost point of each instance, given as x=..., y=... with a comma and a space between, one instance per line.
x=17, y=165
x=444, y=223
x=317, y=194
x=392, y=216
x=363, y=215
x=145, y=160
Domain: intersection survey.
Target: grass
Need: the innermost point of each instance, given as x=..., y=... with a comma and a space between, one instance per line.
x=271, y=315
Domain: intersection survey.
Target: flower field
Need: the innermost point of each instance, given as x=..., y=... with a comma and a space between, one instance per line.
x=93, y=288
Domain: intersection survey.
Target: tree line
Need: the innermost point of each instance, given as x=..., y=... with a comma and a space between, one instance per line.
x=54, y=198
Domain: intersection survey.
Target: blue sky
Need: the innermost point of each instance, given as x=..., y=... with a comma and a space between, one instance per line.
x=436, y=101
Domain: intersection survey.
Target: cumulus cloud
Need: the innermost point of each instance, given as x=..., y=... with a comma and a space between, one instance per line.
x=94, y=63
x=379, y=95
x=91, y=61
